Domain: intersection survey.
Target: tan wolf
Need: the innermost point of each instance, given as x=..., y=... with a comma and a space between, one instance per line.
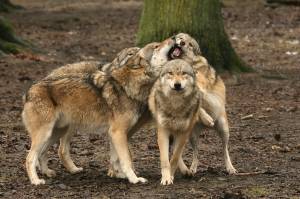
x=214, y=96
x=175, y=103
x=67, y=101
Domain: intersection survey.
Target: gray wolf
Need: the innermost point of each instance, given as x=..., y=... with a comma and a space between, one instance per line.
x=213, y=92
x=174, y=102
x=87, y=99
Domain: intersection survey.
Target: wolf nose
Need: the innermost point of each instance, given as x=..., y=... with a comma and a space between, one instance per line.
x=177, y=86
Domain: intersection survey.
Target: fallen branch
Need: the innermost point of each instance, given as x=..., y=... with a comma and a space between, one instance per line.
x=286, y=2
x=247, y=117
x=254, y=173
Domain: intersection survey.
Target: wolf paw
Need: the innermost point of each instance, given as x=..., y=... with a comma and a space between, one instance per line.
x=167, y=180
x=38, y=181
x=193, y=170
x=50, y=173
x=138, y=179
x=115, y=174
x=187, y=172
x=231, y=171
x=76, y=170
x=208, y=121
x=193, y=167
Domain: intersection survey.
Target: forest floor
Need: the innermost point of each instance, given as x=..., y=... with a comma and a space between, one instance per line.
x=268, y=141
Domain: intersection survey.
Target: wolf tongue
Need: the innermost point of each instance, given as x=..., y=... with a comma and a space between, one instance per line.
x=176, y=52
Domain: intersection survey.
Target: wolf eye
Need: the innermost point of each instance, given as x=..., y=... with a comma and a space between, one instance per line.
x=136, y=66
x=184, y=73
x=170, y=73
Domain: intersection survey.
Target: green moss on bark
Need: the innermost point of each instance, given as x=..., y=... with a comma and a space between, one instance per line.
x=201, y=19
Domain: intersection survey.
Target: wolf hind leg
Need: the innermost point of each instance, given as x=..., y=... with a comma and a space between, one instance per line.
x=39, y=144
x=43, y=160
x=64, y=151
x=194, y=140
x=223, y=131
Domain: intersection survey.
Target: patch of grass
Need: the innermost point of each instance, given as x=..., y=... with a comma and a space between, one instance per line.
x=256, y=192
x=9, y=42
x=8, y=47
x=295, y=197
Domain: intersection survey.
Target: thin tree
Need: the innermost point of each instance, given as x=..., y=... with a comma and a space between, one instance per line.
x=202, y=19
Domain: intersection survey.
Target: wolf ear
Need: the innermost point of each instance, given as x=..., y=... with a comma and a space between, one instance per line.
x=125, y=55
x=147, y=52
x=196, y=49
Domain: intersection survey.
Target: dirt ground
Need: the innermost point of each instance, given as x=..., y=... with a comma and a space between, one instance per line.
x=268, y=141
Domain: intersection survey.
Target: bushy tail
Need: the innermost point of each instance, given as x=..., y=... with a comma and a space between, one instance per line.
x=219, y=87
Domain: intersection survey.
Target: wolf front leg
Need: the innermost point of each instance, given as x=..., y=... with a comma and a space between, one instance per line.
x=180, y=141
x=118, y=134
x=115, y=169
x=163, y=144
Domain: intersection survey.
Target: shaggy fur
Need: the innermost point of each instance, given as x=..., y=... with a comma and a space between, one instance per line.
x=174, y=102
x=80, y=96
x=213, y=89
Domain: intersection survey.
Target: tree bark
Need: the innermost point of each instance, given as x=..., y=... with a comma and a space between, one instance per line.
x=201, y=19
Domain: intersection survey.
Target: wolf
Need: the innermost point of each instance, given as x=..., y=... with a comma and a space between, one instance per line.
x=88, y=99
x=175, y=104
x=213, y=91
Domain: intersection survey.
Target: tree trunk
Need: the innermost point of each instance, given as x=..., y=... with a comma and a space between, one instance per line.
x=201, y=19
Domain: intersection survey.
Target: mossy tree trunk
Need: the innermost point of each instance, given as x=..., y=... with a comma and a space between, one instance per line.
x=201, y=19
x=9, y=42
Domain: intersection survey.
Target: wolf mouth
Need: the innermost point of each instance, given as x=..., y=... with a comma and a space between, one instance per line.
x=175, y=52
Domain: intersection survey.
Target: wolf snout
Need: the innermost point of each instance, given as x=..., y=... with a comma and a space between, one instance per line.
x=177, y=86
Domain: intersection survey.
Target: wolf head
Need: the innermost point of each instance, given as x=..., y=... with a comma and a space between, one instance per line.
x=158, y=54
x=161, y=53
x=136, y=74
x=188, y=45
x=177, y=78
